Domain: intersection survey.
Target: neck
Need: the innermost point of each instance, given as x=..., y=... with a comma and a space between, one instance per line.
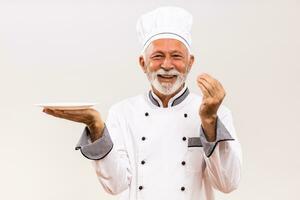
x=166, y=98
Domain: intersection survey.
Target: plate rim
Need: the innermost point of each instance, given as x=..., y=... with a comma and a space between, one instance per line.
x=65, y=104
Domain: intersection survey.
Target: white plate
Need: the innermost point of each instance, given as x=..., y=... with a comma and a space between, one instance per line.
x=66, y=106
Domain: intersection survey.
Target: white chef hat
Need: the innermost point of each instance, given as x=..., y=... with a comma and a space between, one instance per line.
x=165, y=22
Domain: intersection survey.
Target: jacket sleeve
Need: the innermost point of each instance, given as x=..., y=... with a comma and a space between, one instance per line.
x=108, y=155
x=223, y=157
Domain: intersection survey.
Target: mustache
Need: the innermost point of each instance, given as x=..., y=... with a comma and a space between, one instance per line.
x=172, y=72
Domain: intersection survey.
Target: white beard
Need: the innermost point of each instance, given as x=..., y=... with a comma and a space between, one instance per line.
x=166, y=88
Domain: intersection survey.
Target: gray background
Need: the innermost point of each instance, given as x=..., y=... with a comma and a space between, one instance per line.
x=88, y=51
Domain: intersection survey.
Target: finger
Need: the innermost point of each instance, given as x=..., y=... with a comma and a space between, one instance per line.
x=54, y=113
x=75, y=112
x=214, y=82
x=207, y=86
x=211, y=86
x=203, y=89
x=66, y=112
x=49, y=111
x=219, y=91
x=61, y=114
x=209, y=79
x=82, y=115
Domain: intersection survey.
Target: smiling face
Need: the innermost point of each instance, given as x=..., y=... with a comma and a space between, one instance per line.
x=166, y=63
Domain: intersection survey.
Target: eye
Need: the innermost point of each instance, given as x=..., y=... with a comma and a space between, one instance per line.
x=158, y=56
x=177, y=56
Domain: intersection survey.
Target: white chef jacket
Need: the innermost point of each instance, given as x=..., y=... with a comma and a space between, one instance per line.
x=149, y=152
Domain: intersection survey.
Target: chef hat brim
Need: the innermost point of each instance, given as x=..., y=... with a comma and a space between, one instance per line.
x=166, y=35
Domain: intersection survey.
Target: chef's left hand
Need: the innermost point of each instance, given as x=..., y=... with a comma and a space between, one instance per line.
x=213, y=95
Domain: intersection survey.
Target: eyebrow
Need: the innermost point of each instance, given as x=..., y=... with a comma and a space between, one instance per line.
x=155, y=52
x=172, y=52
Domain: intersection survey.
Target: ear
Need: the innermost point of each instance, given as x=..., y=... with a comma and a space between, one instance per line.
x=191, y=62
x=142, y=63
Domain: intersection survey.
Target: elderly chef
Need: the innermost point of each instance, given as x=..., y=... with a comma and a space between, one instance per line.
x=167, y=143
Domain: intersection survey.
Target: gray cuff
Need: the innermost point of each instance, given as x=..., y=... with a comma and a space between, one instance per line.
x=222, y=134
x=96, y=150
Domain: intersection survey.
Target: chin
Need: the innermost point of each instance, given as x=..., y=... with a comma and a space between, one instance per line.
x=166, y=88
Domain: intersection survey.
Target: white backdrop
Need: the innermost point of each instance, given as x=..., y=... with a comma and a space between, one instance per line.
x=88, y=51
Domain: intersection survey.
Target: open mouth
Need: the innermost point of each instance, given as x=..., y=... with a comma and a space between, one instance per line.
x=166, y=76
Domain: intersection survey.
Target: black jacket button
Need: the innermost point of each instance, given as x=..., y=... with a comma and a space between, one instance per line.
x=143, y=162
x=146, y=114
x=143, y=138
x=185, y=115
x=183, y=162
x=184, y=138
x=182, y=188
x=140, y=187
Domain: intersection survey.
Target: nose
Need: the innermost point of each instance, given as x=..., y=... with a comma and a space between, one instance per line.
x=167, y=64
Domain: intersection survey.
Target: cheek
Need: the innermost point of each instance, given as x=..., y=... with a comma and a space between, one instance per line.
x=154, y=66
x=180, y=66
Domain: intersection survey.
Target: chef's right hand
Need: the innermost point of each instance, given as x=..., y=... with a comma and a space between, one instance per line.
x=89, y=117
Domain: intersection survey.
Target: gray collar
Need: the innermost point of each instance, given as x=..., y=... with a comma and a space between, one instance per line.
x=177, y=99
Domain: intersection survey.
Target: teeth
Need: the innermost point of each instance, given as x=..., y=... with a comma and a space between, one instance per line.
x=167, y=76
